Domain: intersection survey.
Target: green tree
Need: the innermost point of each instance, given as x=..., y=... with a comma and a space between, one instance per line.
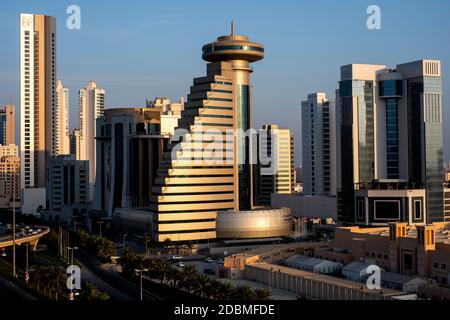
x=91, y=292
x=189, y=278
x=161, y=269
x=104, y=249
x=56, y=276
x=243, y=292
x=222, y=290
x=262, y=294
x=37, y=274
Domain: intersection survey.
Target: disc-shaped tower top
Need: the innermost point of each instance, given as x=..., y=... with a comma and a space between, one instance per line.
x=233, y=47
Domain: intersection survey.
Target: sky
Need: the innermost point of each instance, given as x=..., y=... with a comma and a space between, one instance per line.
x=138, y=49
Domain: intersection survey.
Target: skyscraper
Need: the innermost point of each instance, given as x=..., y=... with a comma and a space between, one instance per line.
x=7, y=125
x=319, y=145
x=92, y=106
x=210, y=170
x=390, y=129
x=37, y=96
x=61, y=130
x=38, y=106
x=278, y=144
x=75, y=144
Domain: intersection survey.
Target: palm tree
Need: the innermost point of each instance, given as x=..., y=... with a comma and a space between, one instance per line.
x=83, y=238
x=243, y=292
x=161, y=269
x=91, y=292
x=190, y=276
x=175, y=277
x=262, y=294
x=37, y=275
x=56, y=276
x=222, y=290
x=202, y=286
x=105, y=249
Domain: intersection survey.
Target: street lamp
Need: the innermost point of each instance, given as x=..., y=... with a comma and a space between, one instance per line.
x=100, y=225
x=123, y=243
x=139, y=272
x=72, y=295
x=72, y=249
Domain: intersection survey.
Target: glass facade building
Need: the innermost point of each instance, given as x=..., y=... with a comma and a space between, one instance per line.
x=390, y=124
x=425, y=148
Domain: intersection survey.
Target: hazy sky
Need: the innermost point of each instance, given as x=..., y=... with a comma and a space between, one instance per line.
x=142, y=49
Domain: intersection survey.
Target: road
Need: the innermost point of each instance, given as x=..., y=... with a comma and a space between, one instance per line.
x=6, y=293
x=114, y=283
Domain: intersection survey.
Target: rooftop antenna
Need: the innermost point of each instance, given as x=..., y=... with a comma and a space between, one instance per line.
x=232, y=27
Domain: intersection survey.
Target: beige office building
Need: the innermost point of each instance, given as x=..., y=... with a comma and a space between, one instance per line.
x=92, y=106
x=202, y=175
x=37, y=96
x=9, y=180
x=7, y=125
x=9, y=150
x=62, y=131
x=279, y=178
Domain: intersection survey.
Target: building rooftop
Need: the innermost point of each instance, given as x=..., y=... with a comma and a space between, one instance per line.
x=441, y=235
x=322, y=278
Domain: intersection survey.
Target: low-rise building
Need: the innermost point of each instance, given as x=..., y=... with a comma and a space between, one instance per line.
x=421, y=250
x=67, y=189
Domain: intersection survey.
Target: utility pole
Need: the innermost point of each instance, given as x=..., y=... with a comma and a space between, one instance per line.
x=14, y=223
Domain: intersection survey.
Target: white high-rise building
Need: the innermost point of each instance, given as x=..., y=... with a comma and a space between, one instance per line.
x=37, y=105
x=92, y=106
x=62, y=136
x=279, y=144
x=319, y=145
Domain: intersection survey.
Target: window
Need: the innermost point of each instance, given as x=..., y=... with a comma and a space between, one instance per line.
x=360, y=209
x=417, y=209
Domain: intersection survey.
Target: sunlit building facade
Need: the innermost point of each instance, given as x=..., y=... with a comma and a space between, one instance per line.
x=7, y=118
x=62, y=132
x=319, y=145
x=92, y=106
x=390, y=139
x=210, y=170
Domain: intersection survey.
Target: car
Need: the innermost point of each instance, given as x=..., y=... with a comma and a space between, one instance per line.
x=177, y=257
x=34, y=233
x=181, y=265
x=39, y=230
x=208, y=260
